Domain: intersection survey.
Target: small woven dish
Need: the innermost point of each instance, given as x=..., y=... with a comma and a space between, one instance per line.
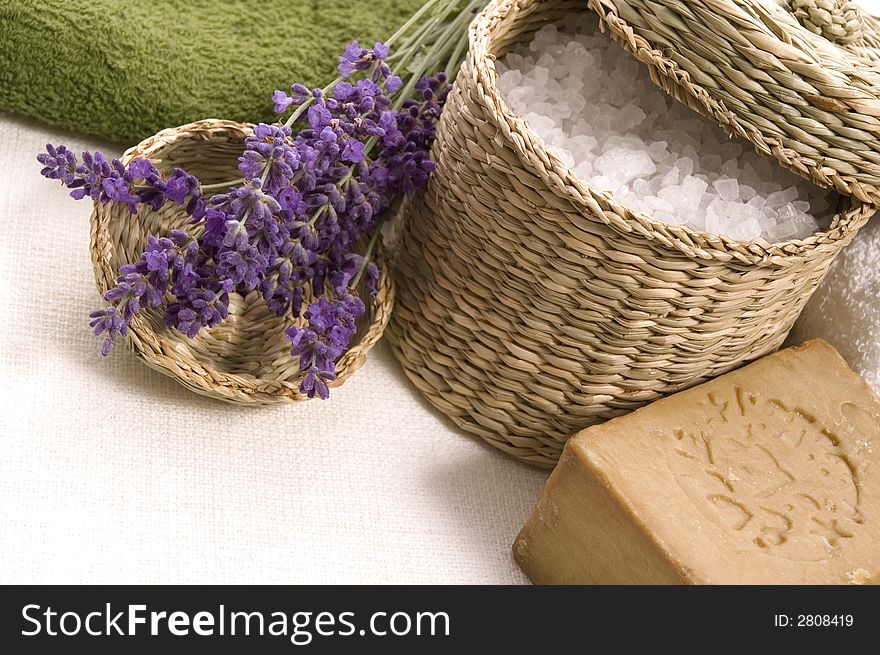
x=530, y=305
x=246, y=359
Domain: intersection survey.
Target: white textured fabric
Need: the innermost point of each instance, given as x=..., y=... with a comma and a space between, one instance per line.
x=113, y=473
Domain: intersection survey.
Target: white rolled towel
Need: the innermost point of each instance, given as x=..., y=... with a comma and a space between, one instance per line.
x=845, y=310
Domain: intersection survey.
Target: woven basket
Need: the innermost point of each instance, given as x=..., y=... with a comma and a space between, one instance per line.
x=798, y=78
x=246, y=358
x=530, y=305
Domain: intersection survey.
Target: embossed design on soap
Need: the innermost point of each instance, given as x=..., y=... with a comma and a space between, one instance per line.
x=774, y=476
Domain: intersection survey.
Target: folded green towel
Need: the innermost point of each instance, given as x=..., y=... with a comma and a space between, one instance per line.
x=123, y=69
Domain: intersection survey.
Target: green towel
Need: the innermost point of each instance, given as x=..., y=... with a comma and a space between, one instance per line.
x=123, y=69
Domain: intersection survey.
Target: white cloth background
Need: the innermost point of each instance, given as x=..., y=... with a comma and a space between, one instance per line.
x=113, y=473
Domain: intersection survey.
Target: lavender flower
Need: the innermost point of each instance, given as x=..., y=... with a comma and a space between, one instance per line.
x=109, y=322
x=331, y=324
x=270, y=146
x=59, y=164
x=353, y=58
x=144, y=284
x=105, y=181
x=371, y=279
x=314, y=189
x=282, y=101
x=203, y=306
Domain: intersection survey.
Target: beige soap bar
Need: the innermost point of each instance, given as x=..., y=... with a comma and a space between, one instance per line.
x=766, y=475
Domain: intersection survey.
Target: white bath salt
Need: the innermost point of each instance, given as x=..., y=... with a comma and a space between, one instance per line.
x=845, y=310
x=596, y=108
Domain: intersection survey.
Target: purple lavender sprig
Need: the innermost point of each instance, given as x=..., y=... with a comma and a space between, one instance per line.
x=305, y=202
x=104, y=181
x=313, y=189
x=331, y=325
x=176, y=263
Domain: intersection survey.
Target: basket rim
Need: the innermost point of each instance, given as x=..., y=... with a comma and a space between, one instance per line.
x=532, y=151
x=233, y=387
x=831, y=81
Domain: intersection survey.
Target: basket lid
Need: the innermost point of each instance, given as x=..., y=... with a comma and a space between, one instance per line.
x=800, y=79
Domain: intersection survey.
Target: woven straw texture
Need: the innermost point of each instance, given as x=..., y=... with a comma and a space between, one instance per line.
x=246, y=359
x=798, y=78
x=530, y=306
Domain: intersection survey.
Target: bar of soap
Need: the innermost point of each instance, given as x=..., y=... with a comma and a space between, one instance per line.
x=766, y=475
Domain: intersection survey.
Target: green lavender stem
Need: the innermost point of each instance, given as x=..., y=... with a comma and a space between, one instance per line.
x=222, y=185
x=453, y=64
x=368, y=256
x=439, y=50
x=412, y=21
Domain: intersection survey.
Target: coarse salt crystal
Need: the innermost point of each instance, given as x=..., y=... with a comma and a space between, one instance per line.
x=727, y=188
x=779, y=198
x=596, y=108
x=622, y=165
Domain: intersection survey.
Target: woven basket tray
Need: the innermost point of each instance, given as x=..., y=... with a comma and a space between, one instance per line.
x=531, y=306
x=245, y=359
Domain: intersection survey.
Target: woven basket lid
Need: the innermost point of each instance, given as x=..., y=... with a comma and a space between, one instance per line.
x=800, y=79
